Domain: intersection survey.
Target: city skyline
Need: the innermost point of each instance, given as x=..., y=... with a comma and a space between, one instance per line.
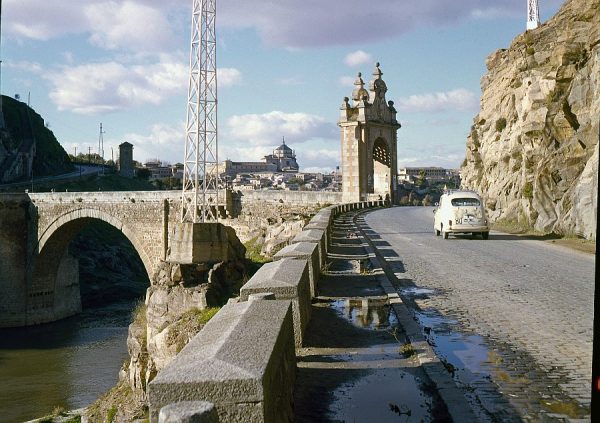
x=283, y=71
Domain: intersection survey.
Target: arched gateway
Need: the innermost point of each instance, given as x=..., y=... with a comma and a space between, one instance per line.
x=369, y=136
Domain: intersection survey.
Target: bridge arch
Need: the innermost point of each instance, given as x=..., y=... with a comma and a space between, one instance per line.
x=75, y=220
x=53, y=290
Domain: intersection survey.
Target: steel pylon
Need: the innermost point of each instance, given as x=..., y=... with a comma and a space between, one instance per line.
x=533, y=14
x=200, y=175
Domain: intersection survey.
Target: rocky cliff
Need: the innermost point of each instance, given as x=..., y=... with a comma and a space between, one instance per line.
x=26, y=142
x=533, y=149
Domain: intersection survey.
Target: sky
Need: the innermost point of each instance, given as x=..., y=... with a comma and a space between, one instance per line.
x=284, y=67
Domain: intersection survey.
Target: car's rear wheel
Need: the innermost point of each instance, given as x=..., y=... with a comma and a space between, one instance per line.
x=485, y=235
x=437, y=233
x=444, y=234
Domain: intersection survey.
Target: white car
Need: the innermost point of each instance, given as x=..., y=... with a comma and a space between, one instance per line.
x=460, y=211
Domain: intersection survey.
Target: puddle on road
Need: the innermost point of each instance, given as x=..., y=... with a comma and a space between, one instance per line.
x=416, y=292
x=490, y=377
x=366, y=314
x=382, y=396
x=466, y=356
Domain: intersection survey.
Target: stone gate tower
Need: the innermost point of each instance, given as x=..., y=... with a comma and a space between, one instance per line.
x=369, y=135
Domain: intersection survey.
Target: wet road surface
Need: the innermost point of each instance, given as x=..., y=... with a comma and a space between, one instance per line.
x=352, y=366
x=511, y=317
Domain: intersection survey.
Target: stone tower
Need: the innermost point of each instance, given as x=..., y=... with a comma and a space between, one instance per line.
x=369, y=135
x=126, y=160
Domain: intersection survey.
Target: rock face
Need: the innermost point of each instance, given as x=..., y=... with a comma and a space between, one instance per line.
x=533, y=149
x=272, y=225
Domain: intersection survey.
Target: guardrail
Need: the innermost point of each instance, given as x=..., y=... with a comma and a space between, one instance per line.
x=243, y=363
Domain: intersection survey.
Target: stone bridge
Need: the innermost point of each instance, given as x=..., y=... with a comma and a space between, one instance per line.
x=39, y=279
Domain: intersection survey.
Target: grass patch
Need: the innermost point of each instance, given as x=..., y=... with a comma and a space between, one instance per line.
x=407, y=350
x=528, y=190
x=112, y=412
x=188, y=325
x=500, y=124
x=254, y=258
x=138, y=315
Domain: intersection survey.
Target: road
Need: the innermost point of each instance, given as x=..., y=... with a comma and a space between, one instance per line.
x=530, y=301
x=82, y=170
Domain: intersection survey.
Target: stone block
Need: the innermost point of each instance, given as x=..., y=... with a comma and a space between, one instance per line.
x=317, y=236
x=189, y=412
x=286, y=279
x=199, y=243
x=305, y=251
x=243, y=361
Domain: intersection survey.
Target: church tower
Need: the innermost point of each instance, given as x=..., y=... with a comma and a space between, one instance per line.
x=369, y=136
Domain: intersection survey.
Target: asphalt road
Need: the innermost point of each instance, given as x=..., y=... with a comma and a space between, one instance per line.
x=533, y=297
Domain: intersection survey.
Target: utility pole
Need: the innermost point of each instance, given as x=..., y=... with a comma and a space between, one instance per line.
x=200, y=172
x=1, y=111
x=101, y=148
x=89, y=155
x=533, y=14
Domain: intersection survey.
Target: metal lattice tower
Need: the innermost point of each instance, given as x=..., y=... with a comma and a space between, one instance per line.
x=101, y=148
x=533, y=14
x=200, y=174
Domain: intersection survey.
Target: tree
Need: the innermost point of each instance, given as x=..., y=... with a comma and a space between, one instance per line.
x=143, y=173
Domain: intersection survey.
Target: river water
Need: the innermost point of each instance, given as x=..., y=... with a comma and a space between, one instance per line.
x=68, y=363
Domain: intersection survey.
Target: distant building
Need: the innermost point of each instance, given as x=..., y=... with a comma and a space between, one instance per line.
x=126, y=168
x=283, y=159
x=410, y=174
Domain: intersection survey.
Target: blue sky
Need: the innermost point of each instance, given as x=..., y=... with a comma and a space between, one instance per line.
x=284, y=68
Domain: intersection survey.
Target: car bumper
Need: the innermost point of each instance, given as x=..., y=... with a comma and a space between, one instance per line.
x=468, y=228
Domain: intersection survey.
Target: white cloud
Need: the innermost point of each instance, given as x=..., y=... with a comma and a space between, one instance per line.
x=227, y=77
x=131, y=25
x=164, y=142
x=290, y=81
x=317, y=23
x=458, y=99
x=357, y=58
x=268, y=128
x=346, y=81
x=25, y=66
x=150, y=24
x=111, y=86
x=443, y=155
x=128, y=25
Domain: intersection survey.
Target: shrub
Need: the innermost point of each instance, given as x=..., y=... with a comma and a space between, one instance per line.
x=500, y=124
x=528, y=190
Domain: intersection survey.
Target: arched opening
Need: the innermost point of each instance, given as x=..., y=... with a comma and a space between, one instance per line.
x=382, y=164
x=82, y=261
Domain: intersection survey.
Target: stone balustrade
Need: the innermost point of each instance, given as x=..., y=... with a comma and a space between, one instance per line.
x=243, y=361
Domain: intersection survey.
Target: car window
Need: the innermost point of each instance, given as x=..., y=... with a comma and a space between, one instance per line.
x=457, y=202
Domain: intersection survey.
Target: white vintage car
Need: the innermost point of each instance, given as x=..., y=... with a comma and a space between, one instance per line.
x=460, y=211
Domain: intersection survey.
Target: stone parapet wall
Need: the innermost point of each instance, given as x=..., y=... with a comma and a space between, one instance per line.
x=243, y=361
x=286, y=279
x=291, y=197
